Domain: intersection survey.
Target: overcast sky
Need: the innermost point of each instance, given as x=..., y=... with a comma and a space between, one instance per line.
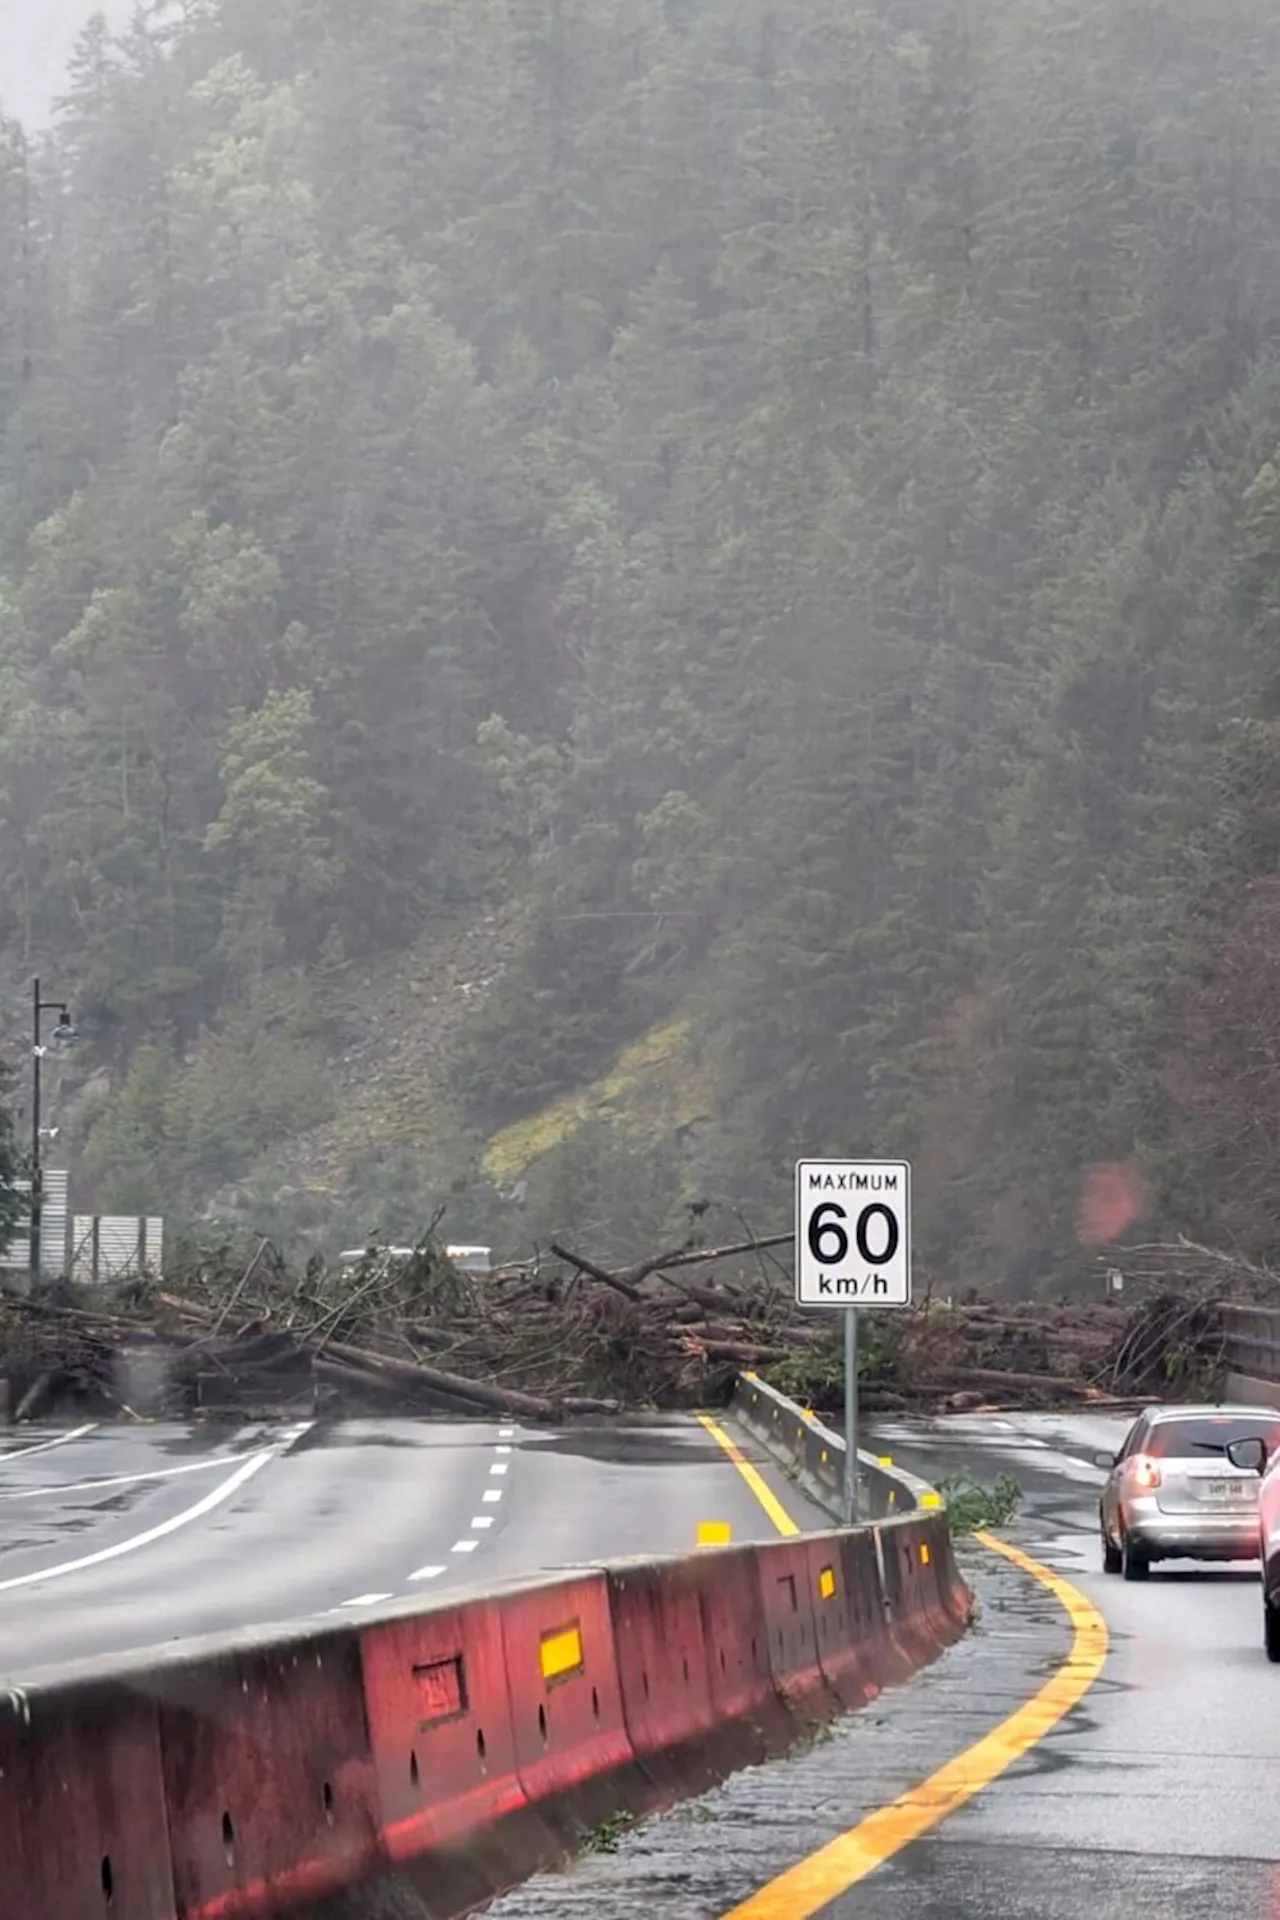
x=35, y=38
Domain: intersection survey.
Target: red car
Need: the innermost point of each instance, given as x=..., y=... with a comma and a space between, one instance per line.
x=1261, y=1454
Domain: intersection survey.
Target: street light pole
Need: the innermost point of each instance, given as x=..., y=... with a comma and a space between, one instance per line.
x=63, y=1032
x=37, y=1173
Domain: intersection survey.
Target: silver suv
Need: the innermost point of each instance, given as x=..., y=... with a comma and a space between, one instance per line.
x=1173, y=1494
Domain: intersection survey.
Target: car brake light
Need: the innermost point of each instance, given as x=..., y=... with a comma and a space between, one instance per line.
x=1146, y=1472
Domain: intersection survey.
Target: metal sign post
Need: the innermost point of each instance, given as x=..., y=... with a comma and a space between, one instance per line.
x=850, y=1416
x=853, y=1248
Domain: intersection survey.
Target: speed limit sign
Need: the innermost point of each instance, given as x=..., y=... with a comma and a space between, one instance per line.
x=853, y=1233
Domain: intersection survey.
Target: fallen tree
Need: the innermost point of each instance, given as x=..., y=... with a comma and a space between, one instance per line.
x=563, y=1336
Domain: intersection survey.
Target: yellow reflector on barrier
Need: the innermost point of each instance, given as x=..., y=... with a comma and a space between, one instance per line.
x=924, y=1554
x=824, y=1456
x=561, y=1652
x=807, y=1412
x=885, y=1460
x=826, y=1583
x=930, y=1499
x=714, y=1533
x=893, y=1496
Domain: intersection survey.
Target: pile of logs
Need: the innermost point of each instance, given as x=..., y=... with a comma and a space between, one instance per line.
x=559, y=1337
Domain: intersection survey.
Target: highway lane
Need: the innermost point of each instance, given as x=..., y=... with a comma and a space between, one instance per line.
x=123, y=1539
x=1154, y=1799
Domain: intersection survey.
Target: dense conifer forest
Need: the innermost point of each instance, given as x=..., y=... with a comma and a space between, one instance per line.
x=772, y=507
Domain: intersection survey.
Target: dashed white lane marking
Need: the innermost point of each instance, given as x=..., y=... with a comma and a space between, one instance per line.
x=506, y=1433
x=254, y=1463
x=367, y=1600
x=499, y=1466
x=427, y=1573
x=502, y=1449
x=47, y=1446
x=116, y=1480
x=465, y=1546
x=482, y=1520
x=492, y=1493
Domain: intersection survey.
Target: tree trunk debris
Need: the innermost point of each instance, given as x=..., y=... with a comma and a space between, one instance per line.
x=564, y=1336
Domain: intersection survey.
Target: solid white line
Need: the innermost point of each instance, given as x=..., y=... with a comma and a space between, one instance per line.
x=116, y=1480
x=465, y=1546
x=47, y=1446
x=492, y=1493
x=253, y=1464
x=427, y=1573
x=482, y=1520
x=367, y=1600
x=499, y=1467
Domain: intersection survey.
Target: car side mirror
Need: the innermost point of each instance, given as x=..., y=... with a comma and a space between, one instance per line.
x=1249, y=1454
x=1107, y=1460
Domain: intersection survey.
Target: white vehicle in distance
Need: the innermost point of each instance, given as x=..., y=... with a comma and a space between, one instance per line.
x=1174, y=1493
x=466, y=1259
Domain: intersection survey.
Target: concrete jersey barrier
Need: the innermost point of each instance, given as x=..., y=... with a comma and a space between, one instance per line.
x=461, y=1744
x=798, y=1439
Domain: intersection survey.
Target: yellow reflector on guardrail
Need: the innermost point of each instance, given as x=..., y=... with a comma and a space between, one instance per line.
x=561, y=1652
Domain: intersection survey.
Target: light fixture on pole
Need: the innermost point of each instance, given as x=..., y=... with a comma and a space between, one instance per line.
x=63, y=1035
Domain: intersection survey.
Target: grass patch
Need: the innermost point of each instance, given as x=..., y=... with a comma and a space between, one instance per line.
x=970, y=1505
x=606, y=1837
x=653, y=1084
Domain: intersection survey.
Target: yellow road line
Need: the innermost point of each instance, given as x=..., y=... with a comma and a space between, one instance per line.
x=764, y=1494
x=805, y=1889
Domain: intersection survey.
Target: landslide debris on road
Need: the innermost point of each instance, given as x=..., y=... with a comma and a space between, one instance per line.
x=563, y=1336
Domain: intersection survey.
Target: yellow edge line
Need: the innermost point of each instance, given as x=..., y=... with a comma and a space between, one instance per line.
x=764, y=1494
x=805, y=1889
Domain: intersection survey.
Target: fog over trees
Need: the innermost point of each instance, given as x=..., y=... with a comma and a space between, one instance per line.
x=784, y=493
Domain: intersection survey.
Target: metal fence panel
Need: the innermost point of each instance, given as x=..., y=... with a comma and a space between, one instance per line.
x=108, y=1247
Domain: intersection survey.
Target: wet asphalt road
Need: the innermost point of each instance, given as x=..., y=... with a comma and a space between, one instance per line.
x=1155, y=1799
x=119, y=1539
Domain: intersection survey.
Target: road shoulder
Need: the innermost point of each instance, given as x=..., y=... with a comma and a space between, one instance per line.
x=713, y=1853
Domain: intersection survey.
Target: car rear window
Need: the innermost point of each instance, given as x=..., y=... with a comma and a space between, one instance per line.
x=1201, y=1439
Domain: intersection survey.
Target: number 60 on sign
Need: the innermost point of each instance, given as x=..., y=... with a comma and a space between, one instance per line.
x=853, y=1233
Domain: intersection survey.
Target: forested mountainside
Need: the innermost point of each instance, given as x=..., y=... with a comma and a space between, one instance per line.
x=776, y=502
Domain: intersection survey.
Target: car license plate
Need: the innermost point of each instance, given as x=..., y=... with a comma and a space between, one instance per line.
x=1228, y=1492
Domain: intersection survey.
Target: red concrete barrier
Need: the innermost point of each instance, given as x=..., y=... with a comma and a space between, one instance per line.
x=697, y=1687
x=737, y=1638
x=269, y=1781
x=920, y=1581
x=664, y=1662
x=440, y=1725
x=852, y=1640
x=788, y=1583
x=566, y=1698
x=82, y=1810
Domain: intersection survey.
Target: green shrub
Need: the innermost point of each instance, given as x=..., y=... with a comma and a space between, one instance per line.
x=971, y=1506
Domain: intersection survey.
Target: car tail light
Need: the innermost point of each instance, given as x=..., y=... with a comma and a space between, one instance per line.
x=1146, y=1472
